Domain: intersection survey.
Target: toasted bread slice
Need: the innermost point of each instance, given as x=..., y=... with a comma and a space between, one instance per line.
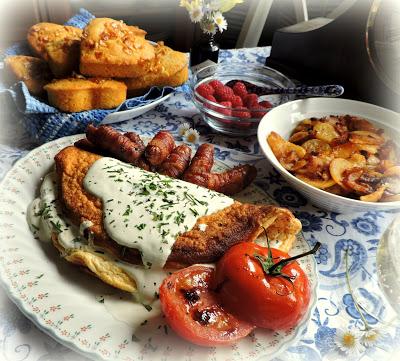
x=169, y=67
x=41, y=34
x=34, y=72
x=236, y=223
x=110, y=48
x=76, y=95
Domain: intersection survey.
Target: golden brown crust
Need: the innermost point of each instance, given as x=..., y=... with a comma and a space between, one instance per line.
x=41, y=34
x=76, y=95
x=237, y=223
x=63, y=57
x=34, y=72
x=109, y=48
x=168, y=68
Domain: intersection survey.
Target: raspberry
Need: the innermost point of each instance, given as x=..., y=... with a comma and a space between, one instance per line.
x=240, y=89
x=225, y=111
x=241, y=112
x=215, y=84
x=210, y=97
x=204, y=90
x=237, y=101
x=224, y=94
x=265, y=104
x=251, y=100
x=261, y=111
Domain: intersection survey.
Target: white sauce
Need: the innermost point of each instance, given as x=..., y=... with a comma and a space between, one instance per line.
x=45, y=217
x=148, y=211
x=148, y=281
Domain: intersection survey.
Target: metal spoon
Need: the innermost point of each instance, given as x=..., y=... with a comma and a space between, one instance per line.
x=303, y=90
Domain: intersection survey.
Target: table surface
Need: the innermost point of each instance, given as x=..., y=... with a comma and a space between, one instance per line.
x=358, y=233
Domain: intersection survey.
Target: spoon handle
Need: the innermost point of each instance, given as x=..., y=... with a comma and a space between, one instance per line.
x=317, y=91
x=303, y=90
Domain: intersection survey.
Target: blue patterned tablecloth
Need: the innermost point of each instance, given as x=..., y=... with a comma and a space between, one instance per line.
x=335, y=312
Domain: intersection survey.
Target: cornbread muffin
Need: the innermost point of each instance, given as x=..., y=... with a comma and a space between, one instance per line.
x=76, y=95
x=169, y=67
x=137, y=31
x=41, y=34
x=109, y=48
x=63, y=57
x=34, y=72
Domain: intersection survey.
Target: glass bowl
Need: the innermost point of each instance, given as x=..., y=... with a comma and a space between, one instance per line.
x=259, y=75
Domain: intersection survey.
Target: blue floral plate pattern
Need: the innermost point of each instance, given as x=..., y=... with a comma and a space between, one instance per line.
x=358, y=234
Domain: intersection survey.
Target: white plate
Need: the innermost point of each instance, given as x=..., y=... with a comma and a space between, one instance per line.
x=122, y=115
x=284, y=118
x=64, y=303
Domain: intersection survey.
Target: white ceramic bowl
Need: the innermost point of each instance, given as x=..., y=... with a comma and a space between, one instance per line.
x=285, y=117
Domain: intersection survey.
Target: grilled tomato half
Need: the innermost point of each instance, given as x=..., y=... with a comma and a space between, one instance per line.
x=192, y=309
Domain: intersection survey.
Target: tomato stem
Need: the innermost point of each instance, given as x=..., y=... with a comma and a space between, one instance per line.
x=284, y=262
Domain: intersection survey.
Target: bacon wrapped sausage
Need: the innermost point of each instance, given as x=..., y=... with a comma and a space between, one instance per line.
x=159, y=148
x=120, y=146
x=177, y=162
x=135, y=138
x=229, y=182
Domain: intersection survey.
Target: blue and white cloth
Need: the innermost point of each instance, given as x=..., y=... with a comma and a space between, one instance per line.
x=45, y=122
x=358, y=233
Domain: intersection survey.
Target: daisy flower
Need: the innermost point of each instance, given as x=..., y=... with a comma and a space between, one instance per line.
x=183, y=128
x=208, y=27
x=220, y=21
x=370, y=337
x=192, y=136
x=349, y=342
x=195, y=11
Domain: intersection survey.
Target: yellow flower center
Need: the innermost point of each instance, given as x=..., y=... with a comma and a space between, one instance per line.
x=191, y=137
x=372, y=337
x=348, y=340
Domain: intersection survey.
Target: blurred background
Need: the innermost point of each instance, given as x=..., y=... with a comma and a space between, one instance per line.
x=162, y=19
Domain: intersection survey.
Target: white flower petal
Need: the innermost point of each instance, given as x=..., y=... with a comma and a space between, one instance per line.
x=183, y=128
x=220, y=21
x=192, y=136
x=349, y=342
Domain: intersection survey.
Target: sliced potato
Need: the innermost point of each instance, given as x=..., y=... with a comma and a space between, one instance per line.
x=362, y=180
x=366, y=137
x=338, y=190
x=299, y=137
x=288, y=154
x=316, y=146
x=325, y=132
x=373, y=161
x=317, y=183
x=375, y=196
x=345, y=150
x=357, y=123
x=358, y=160
x=337, y=167
x=369, y=148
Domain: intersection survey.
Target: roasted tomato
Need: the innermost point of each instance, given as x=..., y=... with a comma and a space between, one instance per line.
x=276, y=300
x=193, y=312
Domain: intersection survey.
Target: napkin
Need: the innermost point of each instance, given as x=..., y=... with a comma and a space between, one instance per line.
x=45, y=122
